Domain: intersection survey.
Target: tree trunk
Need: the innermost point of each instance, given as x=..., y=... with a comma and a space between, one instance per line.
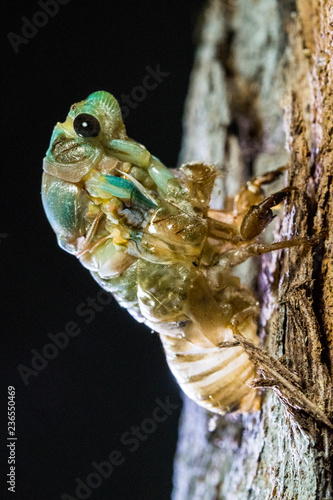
x=261, y=96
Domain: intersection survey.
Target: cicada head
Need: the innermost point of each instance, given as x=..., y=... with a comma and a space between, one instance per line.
x=77, y=147
x=81, y=142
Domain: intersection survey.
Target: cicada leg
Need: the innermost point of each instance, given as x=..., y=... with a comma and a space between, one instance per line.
x=236, y=256
x=242, y=316
x=136, y=154
x=259, y=216
x=252, y=193
x=221, y=230
x=251, y=211
x=253, y=223
x=228, y=290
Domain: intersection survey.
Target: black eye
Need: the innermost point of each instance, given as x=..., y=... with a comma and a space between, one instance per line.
x=86, y=125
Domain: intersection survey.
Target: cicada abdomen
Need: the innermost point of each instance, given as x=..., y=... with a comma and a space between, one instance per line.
x=147, y=235
x=170, y=300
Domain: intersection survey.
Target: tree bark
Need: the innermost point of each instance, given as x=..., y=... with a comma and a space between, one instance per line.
x=261, y=96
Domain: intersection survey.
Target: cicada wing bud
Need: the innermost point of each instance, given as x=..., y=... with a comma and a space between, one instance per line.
x=65, y=205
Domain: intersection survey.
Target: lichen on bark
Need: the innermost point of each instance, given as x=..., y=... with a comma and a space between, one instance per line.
x=261, y=96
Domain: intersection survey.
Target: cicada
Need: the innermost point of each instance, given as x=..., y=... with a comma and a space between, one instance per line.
x=148, y=235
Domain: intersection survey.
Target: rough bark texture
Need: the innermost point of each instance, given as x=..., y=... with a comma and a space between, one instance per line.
x=261, y=95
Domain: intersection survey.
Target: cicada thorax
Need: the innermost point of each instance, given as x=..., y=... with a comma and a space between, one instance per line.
x=172, y=234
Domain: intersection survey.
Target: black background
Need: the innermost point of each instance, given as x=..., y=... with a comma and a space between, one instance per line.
x=108, y=377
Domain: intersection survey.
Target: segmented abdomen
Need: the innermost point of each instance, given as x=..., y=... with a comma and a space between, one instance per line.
x=217, y=379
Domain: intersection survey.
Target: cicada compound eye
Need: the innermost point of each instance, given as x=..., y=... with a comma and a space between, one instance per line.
x=86, y=125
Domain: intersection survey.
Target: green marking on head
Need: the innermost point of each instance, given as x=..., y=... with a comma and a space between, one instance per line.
x=105, y=108
x=107, y=102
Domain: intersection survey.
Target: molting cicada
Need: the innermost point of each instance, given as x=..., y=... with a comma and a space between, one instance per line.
x=148, y=236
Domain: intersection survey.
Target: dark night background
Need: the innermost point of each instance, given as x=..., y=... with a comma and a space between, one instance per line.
x=106, y=380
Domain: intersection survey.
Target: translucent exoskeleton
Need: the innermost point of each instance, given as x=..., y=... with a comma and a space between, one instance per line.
x=148, y=236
